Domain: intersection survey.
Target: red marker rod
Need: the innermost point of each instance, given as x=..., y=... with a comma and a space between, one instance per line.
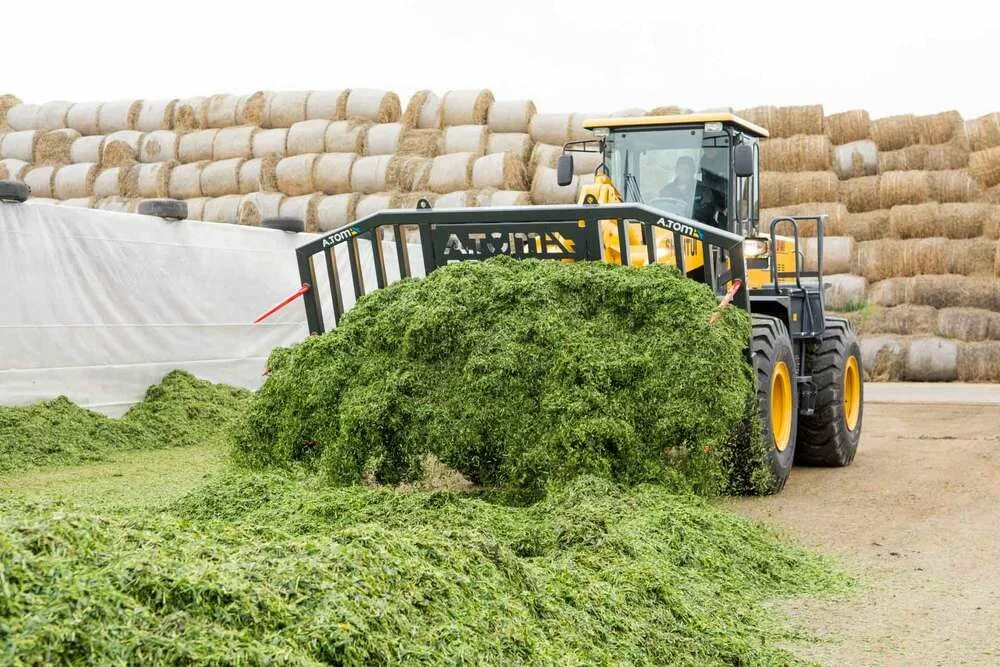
x=302, y=290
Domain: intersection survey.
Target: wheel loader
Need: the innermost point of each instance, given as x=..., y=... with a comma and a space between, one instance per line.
x=682, y=190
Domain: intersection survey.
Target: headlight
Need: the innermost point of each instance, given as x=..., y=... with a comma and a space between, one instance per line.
x=756, y=247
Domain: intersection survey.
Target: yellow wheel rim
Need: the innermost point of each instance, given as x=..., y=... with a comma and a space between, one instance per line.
x=852, y=393
x=781, y=406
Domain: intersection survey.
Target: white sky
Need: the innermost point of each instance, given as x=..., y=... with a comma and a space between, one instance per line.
x=566, y=56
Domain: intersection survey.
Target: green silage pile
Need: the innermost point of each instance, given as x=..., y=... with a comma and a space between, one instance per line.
x=519, y=374
x=179, y=411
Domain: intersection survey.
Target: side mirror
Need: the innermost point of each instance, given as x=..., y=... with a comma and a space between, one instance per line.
x=564, y=169
x=743, y=160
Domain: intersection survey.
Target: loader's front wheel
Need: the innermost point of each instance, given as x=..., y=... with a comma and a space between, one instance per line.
x=829, y=437
x=777, y=394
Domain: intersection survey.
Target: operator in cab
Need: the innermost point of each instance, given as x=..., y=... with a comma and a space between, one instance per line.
x=705, y=202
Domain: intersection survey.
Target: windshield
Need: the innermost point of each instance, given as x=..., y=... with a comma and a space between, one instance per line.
x=684, y=171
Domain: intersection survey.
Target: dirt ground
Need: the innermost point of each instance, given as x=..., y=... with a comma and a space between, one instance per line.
x=917, y=517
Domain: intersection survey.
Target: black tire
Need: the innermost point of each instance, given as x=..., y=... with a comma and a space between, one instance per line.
x=12, y=191
x=771, y=347
x=168, y=209
x=830, y=436
x=284, y=224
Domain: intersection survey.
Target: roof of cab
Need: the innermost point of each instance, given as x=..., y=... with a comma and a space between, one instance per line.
x=678, y=119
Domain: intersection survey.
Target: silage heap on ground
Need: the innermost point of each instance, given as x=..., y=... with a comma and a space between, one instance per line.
x=517, y=374
x=276, y=568
x=180, y=411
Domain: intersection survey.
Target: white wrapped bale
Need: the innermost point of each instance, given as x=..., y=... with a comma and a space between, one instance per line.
x=117, y=116
x=466, y=107
x=519, y=143
x=83, y=117
x=196, y=208
x=111, y=182
x=12, y=169
x=259, y=175
x=375, y=202
x=121, y=147
x=551, y=128
x=303, y=207
x=546, y=190
x=286, y=108
x=159, y=146
x=233, y=142
x=23, y=117
x=295, y=175
x=7, y=102
x=451, y=172
x=931, y=360
x=307, y=136
x=221, y=111
x=503, y=171
x=856, y=159
x=87, y=149
x=185, y=180
x=423, y=111
x=883, y=358
x=586, y=164
x=19, y=145
x=270, y=142
x=257, y=206
x=155, y=115
x=197, y=146
x=576, y=129
x=336, y=211
x=332, y=172
x=844, y=291
x=250, y=109
x=222, y=209
x=459, y=199
x=221, y=178
x=346, y=136
x=74, y=181
x=41, y=181
x=369, y=174
x=838, y=253
x=503, y=198
x=511, y=116
x=383, y=138
x=544, y=155
x=464, y=139
x=150, y=180
x=52, y=115
x=327, y=105
x=379, y=106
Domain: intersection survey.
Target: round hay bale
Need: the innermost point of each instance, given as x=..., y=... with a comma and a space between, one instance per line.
x=979, y=362
x=307, y=136
x=303, y=207
x=835, y=212
x=120, y=148
x=197, y=146
x=159, y=146
x=117, y=116
x=336, y=211
x=332, y=172
x=991, y=222
x=12, y=169
x=586, y=163
x=75, y=181
x=466, y=107
x=327, y=105
x=151, y=180
x=847, y=126
x=83, y=117
x=423, y=111
x=188, y=114
x=185, y=180
x=894, y=132
x=867, y=226
x=505, y=198
x=504, y=171
x=510, y=116
x=792, y=120
x=451, y=172
x=545, y=155
x=953, y=290
x=156, y=115
x=384, y=138
x=903, y=187
x=464, y=139
x=855, y=159
x=952, y=185
x=41, y=180
x=904, y=159
x=23, y=117
x=519, y=143
x=111, y=182
x=783, y=189
x=379, y=106
x=375, y=202
x=56, y=146
x=946, y=156
x=407, y=173
x=222, y=209
x=906, y=319
x=838, y=254
x=220, y=110
x=984, y=166
x=421, y=143
x=968, y=324
x=52, y=115
x=368, y=174
x=410, y=200
x=459, y=199
x=273, y=142
x=251, y=109
x=805, y=152
x=196, y=208
x=87, y=149
x=259, y=205
x=347, y=136
x=233, y=142
x=259, y=175
x=891, y=258
x=546, y=190
x=883, y=358
x=286, y=108
x=295, y=175
x=19, y=145
x=221, y=178
x=7, y=102
x=80, y=202
x=550, y=128
x=763, y=116
x=983, y=132
x=951, y=220
x=931, y=359
x=843, y=291
x=939, y=128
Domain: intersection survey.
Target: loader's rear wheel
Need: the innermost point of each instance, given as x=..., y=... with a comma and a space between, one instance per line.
x=829, y=437
x=777, y=394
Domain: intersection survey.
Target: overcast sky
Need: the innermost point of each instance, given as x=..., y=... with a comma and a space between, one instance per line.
x=566, y=56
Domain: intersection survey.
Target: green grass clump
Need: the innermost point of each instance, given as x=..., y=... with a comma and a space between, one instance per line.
x=179, y=411
x=517, y=374
x=283, y=569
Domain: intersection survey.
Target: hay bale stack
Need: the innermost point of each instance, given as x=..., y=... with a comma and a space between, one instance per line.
x=56, y=146
x=13, y=170
x=931, y=359
x=968, y=324
x=423, y=111
x=384, y=138
x=856, y=159
x=256, y=206
x=222, y=177
x=267, y=143
x=117, y=116
x=904, y=159
x=952, y=185
x=122, y=147
x=860, y=194
x=19, y=145
x=307, y=136
x=378, y=106
x=511, y=116
x=979, y=362
x=802, y=152
x=150, y=180
x=336, y=211
x=984, y=166
x=369, y=174
x=835, y=212
x=421, y=143
x=295, y=175
x=259, y=174
x=197, y=146
x=903, y=187
x=41, y=180
x=159, y=146
x=464, y=139
x=327, y=105
x=407, y=173
x=375, y=202
x=503, y=171
x=74, y=181
x=847, y=126
x=111, y=182
x=156, y=115
x=503, y=198
x=894, y=132
x=87, y=149
x=84, y=117
x=519, y=143
x=784, y=189
x=285, y=108
x=185, y=180
x=347, y=136
x=233, y=142
x=893, y=258
x=946, y=156
x=883, y=358
x=983, y=132
x=940, y=128
x=451, y=172
x=332, y=172
x=551, y=128
x=844, y=291
x=222, y=209
x=52, y=115
x=789, y=121
x=23, y=117
x=466, y=107
x=838, y=254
